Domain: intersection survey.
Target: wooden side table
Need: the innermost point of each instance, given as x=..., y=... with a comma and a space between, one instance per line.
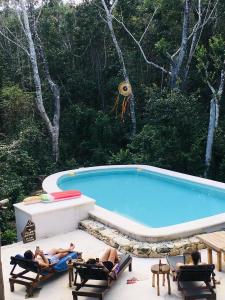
x=70, y=272
x=71, y=265
x=164, y=270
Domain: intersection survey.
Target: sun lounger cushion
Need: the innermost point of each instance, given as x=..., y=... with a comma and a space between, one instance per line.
x=123, y=261
x=62, y=266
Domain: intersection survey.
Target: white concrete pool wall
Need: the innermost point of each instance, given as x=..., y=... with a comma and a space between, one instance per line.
x=137, y=230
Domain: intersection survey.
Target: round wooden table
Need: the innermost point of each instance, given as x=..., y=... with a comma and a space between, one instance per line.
x=164, y=270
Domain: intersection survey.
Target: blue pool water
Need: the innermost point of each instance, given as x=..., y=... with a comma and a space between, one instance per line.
x=149, y=198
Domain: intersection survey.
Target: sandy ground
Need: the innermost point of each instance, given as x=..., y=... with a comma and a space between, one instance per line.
x=57, y=288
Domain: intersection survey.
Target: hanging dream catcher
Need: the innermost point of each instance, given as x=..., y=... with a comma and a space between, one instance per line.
x=125, y=90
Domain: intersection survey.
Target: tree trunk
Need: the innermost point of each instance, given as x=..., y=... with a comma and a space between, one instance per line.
x=53, y=129
x=213, y=118
x=213, y=123
x=178, y=61
x=55, y=143
x=124, y=70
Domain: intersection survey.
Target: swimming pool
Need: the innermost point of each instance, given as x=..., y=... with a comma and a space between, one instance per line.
x=154, y=199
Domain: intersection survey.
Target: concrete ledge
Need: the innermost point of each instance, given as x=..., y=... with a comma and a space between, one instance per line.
x=124, y=243
x=53, y=218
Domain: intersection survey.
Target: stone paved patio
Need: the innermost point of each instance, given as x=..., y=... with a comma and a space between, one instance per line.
x=58, y=289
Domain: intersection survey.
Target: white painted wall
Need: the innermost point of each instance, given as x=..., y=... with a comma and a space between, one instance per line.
x=53, y=218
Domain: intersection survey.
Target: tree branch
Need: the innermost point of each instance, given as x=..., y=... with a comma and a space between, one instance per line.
x=113, y=6
x=140, y=47
x=222, y=79
x=148, y=24
x=15, y=43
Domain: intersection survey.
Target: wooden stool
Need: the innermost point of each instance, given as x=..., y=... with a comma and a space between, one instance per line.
x=164, y=270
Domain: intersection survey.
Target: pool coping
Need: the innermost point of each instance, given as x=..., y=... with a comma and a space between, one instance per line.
x=137, y=230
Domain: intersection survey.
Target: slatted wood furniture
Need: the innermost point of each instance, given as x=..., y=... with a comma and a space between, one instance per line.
x=161, y=269
x=190, y=281
x=97, y=273
x=173, y=261
x=36, y=275
x=214, y=241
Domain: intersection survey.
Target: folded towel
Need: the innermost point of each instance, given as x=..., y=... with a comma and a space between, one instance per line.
x=65, y=195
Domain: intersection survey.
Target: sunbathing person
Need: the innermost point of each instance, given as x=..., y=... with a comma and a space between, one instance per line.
x=195, y=259
x=107, y=259
x=50, y=257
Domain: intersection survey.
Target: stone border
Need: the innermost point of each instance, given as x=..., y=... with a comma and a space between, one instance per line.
x=124, y=243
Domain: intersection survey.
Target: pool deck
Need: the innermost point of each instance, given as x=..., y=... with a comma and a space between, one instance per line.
x=58, y=289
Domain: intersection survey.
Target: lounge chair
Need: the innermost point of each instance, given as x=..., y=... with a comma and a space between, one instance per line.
x=41, y=273
x=173, y=261
x=190, y=281
x=88, y=272
x=178, y=259
x=190, y=278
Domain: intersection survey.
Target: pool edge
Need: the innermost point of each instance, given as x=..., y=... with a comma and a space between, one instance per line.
x=139, y=231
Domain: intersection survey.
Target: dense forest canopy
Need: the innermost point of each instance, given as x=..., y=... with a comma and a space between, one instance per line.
x=60, y=67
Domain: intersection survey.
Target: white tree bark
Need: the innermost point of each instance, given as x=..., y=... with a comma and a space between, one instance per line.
x=109, y=20
x=213, y=121
x=180, y=60
x=53, y=127
x=211, y=131
x=197, y=32
x=177, y=61
x=138, y=43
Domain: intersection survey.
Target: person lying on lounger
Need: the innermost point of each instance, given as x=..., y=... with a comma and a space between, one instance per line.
x=195, y=259
x=108, y=259
x=49, y=258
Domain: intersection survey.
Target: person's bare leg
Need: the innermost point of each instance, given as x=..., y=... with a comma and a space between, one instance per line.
x=113, y=256
x=105, y=255
x=61, y=254
x=55, y=251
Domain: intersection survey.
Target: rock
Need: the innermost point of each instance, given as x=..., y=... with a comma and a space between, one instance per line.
x=175, y=252
x=164, y=247
x=179, y=244
x=194, y=240
x=141, y=250
x=201, y=246
x=124, y=243
x=109, y=233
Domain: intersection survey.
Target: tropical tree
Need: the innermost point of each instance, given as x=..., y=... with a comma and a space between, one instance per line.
x=180, y=61
x=109, y=9
x=29, y=28
x=211, y=63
